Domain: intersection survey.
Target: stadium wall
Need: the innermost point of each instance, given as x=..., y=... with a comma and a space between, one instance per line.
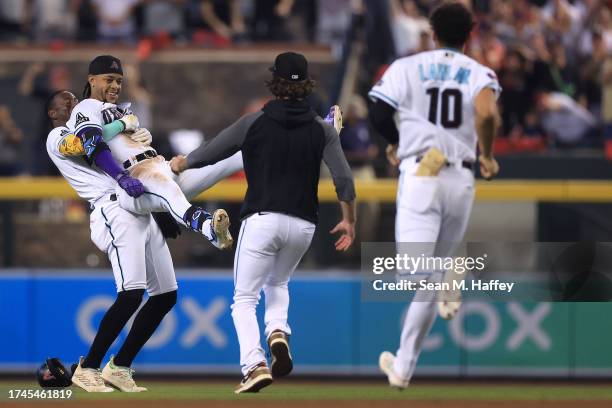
x=47, y=313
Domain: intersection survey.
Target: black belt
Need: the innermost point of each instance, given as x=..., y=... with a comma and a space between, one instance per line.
x=149, y=154
x=465, y=164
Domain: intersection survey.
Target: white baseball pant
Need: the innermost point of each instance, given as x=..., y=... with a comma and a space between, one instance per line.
x=270, y=246
x=429, y=210
x=166, y=191
x=137, y=250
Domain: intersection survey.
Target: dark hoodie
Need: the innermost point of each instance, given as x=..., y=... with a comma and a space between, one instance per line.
x=282, y=148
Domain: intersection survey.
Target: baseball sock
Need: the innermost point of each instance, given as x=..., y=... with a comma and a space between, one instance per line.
x=112, y=323
x=145, y=323
x=199, y=220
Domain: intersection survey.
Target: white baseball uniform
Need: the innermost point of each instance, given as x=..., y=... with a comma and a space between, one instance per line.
x=135, y=246
x=433, y=93
x=164, y=190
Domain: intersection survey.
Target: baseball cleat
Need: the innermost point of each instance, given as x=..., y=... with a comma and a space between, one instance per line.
x=222, y=238
x=448, y=309
x=334, y=118
x=449, y=301
x=120, y=377
x=385, y=362
x=258, y=378
x=282, y=364
x=89, y=379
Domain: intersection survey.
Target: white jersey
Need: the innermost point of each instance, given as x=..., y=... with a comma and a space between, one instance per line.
x=89, y=182
x=94, y=113
x=433, y=93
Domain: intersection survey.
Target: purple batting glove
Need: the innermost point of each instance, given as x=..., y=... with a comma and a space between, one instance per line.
x=131, y=185
x=330, y=116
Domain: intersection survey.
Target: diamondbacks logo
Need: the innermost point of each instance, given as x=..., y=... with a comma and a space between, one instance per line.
x=80, y=118
x=114, y=65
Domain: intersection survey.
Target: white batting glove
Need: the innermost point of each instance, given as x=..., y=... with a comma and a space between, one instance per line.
x=142, y=135
x=130, y=123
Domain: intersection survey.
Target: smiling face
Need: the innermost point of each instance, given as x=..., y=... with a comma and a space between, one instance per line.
x=105, y=87
x=61, y=106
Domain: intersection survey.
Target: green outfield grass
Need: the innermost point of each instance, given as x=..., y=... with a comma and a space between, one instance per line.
x=309, y=391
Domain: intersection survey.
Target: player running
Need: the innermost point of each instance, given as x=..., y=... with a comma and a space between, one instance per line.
x=445, y=104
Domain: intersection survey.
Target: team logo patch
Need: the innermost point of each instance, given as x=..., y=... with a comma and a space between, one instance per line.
x=80, y=118
x=114, y=65
x=64, y=132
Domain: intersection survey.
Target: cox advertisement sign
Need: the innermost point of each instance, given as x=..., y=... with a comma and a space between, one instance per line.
x=51, y=313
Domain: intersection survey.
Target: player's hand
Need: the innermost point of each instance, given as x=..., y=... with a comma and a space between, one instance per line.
x=142, y=135
x=130, y=123
x=391, y=152
x=178, y=164
x=488, y=167
x=131, y=185
x=347, y=235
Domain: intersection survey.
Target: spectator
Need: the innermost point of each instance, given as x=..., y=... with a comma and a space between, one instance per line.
x=407, y=25
x=607, y=104
x=14, y=20
x=38, y=82
x=333, y=21
x=87, y=26
x=514, y=81
x=11, y=139
x=361, y=151
x=270, y=20
x=138, y=96
x=164, y=17
x=567, y=122
x=54, y=19
x=591, y=76
x=115, y=20
x=221, y=18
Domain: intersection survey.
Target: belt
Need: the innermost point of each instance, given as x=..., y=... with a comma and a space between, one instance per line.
x=149, y=154
x=465, y=164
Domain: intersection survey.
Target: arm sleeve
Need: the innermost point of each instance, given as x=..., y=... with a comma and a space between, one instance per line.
x=392, y=87
x=86, y=121
x=486, y=78
x=225, y=144
x=112, y=129
x=338, y=166
x=382, y=117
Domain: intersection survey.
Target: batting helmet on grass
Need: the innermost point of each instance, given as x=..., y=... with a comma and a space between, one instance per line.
x=53, y=374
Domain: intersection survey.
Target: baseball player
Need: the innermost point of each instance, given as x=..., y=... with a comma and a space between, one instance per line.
x=139, y=255
x=445, y=104
x=282, y=147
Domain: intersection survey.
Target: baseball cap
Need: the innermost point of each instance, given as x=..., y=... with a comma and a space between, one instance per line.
x=105, y=64
x=291, y=66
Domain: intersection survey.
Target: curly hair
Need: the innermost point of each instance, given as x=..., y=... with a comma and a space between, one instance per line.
x=452, y=23
x=281, y=88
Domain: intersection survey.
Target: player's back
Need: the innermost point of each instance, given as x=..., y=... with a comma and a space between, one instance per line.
x=433, y=93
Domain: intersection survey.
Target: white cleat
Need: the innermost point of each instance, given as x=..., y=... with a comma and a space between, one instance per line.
x=385, y=362
x=120, y=377
x=450, y=300
x=448, y=309
x=89, y=379
x=219, y=226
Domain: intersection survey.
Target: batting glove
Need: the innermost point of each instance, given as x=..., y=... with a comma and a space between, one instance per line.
x=130, y=123
x=131, y=185
x=142, y=135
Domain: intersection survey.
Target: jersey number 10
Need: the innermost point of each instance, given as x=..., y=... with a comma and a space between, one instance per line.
x=447, y=119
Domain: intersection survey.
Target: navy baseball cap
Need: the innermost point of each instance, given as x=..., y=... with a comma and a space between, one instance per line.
x=105, y=64
x=291, y=66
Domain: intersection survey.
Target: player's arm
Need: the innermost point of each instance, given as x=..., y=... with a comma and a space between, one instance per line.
x=345, y=187
x=222, y=146
x=487, y=123
x=88, y=124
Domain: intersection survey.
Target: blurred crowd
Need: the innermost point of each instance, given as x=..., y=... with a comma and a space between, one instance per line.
x=553, y=58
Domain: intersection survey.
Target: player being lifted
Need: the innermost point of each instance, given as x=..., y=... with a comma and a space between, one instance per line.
x=139, y=162
x=445, y=104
